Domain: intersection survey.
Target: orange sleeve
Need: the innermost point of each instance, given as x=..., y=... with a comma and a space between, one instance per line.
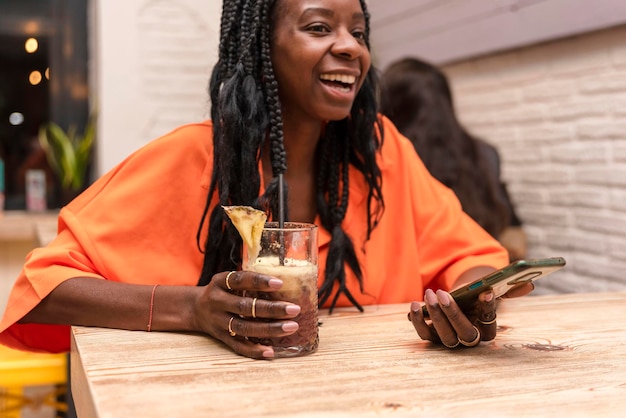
x=63, y=259
x=136, y=224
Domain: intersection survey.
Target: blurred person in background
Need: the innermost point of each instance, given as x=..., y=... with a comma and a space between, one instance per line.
x=416, y=96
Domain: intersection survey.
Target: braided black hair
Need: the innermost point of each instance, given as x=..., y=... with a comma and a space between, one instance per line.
x=246, y=112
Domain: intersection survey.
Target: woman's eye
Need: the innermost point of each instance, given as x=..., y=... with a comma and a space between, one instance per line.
x=318, y=28
x=359, y=35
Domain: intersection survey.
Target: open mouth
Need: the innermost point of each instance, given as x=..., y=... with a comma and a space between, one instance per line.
x=341, y=82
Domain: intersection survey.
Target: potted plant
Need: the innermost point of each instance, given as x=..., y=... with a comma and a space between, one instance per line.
x=69, y=155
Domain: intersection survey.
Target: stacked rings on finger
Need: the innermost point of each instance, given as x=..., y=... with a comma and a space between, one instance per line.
x=472, y=343
x=227, y=279
x=493, y=321
x=254, y=308
x=230, y=327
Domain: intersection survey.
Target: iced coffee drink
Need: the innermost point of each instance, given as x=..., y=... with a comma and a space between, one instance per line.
x=290, y=254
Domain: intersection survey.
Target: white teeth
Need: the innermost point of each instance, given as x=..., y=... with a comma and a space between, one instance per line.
x=342, y=78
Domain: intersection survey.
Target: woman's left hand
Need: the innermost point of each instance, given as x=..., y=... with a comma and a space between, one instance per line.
x=450, y=326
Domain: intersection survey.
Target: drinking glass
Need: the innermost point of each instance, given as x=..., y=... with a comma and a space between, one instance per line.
x=290, y=254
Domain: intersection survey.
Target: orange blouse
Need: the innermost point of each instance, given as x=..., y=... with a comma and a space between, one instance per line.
x=138, y=224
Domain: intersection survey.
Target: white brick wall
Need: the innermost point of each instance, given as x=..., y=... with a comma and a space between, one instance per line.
x=557, y=113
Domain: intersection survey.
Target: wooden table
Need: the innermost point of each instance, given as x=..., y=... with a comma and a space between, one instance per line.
x=554, y=356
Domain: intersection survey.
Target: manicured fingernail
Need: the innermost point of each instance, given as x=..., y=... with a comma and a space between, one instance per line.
x=430, y=297
x=268, y=354
x=415, y=307
x=292, y=309
x=275, y=283
x=290, y=326
x=443, y=297
x=489, y=297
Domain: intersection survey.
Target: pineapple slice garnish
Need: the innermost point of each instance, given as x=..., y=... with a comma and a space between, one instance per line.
x=249, y=223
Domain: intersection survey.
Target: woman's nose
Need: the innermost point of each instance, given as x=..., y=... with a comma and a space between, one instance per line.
x=347, y=45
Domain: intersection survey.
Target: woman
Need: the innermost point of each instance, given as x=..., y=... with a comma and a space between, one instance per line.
x=292, y=94
x=416, y=96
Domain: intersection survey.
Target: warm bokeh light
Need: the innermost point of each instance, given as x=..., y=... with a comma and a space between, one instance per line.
x=32, y=27
x=47, y=73
x=35, y=78
x=16, y=118
x=31, y=45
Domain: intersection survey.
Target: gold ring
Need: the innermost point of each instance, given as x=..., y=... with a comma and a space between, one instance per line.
x=493, y=321
x=230, y=327
x=451, y=346
x=254, y=308
x=474, y=342
x=227, y=279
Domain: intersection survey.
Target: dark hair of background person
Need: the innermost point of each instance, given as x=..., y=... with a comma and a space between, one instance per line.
x=416, y=96
x=246, y=111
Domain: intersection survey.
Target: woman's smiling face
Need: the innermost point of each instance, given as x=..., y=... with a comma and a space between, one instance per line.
x=319, y=56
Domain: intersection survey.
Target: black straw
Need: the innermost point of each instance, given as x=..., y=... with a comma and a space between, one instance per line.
x=281, y=201
x=281, y=218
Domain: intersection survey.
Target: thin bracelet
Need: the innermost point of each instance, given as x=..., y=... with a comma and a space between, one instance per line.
x=151, y=306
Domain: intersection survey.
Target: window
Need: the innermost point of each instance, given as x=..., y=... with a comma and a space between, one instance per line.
x=43, y=77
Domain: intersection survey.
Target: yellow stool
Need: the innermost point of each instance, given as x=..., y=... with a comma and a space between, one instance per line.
x=19, y=369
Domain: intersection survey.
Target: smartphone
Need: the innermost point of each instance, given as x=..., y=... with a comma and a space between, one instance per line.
x=501, y=281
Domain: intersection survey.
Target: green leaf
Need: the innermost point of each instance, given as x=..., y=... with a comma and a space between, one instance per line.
x=68, y=153
x=50, y=154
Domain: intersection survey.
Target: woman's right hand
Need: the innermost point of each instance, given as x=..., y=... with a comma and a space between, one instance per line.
x=225, y=314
